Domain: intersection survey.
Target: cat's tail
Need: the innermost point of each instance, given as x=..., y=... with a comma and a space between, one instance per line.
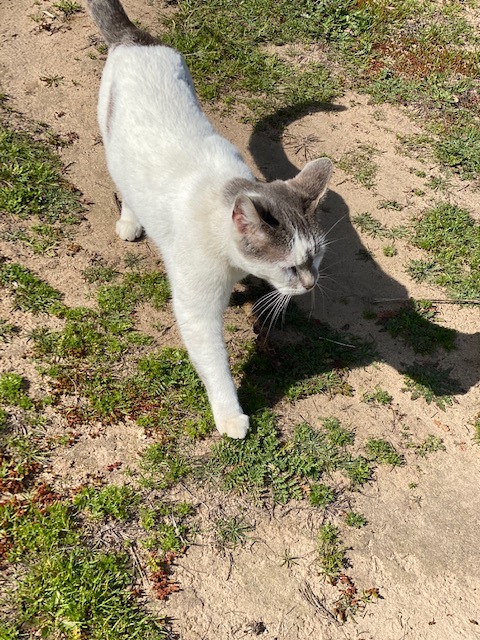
x=115, y=25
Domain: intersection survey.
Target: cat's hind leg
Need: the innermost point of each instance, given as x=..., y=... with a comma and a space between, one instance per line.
x=128, y=227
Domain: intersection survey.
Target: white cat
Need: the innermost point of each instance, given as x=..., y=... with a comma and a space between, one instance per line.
x=192, y=193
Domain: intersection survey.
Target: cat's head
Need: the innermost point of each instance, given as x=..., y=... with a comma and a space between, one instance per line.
x=277, y=230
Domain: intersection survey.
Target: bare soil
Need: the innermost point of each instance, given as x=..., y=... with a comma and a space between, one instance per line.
x=420, y=546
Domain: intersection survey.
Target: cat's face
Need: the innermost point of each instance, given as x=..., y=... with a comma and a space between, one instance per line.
x=278, y=231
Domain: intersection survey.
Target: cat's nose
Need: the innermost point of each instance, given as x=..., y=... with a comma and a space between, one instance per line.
x=307, y=280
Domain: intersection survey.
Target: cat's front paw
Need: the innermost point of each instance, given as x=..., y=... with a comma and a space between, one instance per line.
x=236, y=427
x=128, y=230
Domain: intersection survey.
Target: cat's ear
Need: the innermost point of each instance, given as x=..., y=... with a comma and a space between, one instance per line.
x=312, y=181
x=245, y=215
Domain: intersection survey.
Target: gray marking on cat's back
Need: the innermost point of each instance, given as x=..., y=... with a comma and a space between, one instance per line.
x=115, y=25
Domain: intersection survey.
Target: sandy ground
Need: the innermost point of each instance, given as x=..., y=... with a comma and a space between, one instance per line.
x=420, y=547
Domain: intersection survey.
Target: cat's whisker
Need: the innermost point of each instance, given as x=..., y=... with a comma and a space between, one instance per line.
x=279, y=309
x=334, y=225
x=264, y=303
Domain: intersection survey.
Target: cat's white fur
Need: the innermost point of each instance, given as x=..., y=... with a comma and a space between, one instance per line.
x=171, y=167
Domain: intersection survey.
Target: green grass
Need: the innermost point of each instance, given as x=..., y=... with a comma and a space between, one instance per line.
x=12, y=391
x=451, y=238
x=360, y=165
x=110, y=502
x=415, y=325
x=432, y=384
x=379, y=396
x=31, y=185
x=29, y=292
x=332, y=558
x=355, y=520
x=226, y=49
x=66, y=588
x=232, y=532
x=383, y=452
x=266, y=468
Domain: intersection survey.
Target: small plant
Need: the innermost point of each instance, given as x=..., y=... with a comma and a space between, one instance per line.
x=11, y=391
x=68, y=7
x=6, y=330
x=415, y=325
x=379, y=396
x=29, y=292
x=161, y=466
x=331, y=554
x=321, y=495
x=232, y=532
x=433, y=385
x=114, y=502
x=288, y=560
x=392, y=205
x=431, y=444
x=99, y=273
x=360, y=165
x=389, y=251
x=355, y=520
x=369, y=225
x=383, y=452
x=52, y=81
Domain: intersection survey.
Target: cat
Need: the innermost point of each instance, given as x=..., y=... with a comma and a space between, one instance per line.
x=191, y=192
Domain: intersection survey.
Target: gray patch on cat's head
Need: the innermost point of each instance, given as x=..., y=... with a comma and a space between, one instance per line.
x=271, y=218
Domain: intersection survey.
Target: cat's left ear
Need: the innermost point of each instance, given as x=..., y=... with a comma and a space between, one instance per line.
x=312, y=181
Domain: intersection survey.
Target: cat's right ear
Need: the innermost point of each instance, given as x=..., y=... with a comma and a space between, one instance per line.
x=245, y=215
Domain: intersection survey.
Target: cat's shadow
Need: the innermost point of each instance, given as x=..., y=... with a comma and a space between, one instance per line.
x=358, y=299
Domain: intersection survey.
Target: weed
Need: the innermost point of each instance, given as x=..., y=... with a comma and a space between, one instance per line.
x=52, y=81
x=162, y=466
x=29, y=292
x=434, y=385
x=232, y=532
x=7, y=330
x=331, y=555
x=68, y=7
x=355, y=520
x=373, y=227
x=262, y=465
x=379, y=396
x=452, y=237
x=320, y=495
x=99, y=273
x=392, y=205
x=383, y=452
x=389, y=251
x=431, y=444
x=360, y=165
x=168, y=527
x=370, y=225
x=12, y=391
x=114, y=502
x=460, y=149
x=352, y=601
x=288, y=559
x=439, y=183
x=415, y=325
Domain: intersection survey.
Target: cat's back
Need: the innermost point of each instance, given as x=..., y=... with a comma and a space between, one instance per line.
x=148, y=90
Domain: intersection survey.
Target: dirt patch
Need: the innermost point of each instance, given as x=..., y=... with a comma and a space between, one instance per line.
x=420, y=546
